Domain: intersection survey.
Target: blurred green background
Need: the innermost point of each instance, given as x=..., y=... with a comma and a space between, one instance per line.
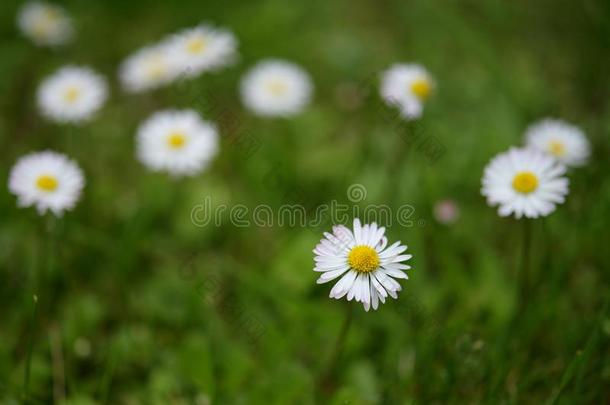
x=136, y=305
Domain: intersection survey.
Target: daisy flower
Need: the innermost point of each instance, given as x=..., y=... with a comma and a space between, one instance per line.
x=524, y=182
x=47, y=180
x=176, y=141
x=45, y=24
x=148, y=68
x=407, y=87
x=566, y=142
x=72, y=94
x=366, y=264
x=276, y=88
x=201, y=49
x=446, y=211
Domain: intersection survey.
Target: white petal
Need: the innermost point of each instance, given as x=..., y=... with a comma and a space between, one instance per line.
x=331, y=275
x=344, y=285
x=357, y=231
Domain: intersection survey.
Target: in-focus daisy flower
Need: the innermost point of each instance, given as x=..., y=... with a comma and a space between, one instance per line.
x=366, y=264
x=148, y=68
x=524, y=182
x=72, y=94
x=47, y=180
x=45, y=24
x=201, y=49
x=407, y=87
x=276, y=88
x=566, y=142
x=176, y=141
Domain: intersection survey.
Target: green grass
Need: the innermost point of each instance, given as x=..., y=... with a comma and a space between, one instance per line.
x=180, y=314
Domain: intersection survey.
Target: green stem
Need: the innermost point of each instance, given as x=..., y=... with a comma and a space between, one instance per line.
x=48, y=258
x=28, y=362
x=525, y=267
x=106, y=380
x=326, y=376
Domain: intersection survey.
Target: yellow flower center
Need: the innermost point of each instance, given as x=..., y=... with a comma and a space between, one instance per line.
x=196, y=45
x=71, y=94
x=176, y=140
x=51, y=14
x=44, y=22
x=421, y=88
x=557, y=148
x=277, y=87
x=363, y=259
x=525, y=182
x=41, y=28
x=47, y=183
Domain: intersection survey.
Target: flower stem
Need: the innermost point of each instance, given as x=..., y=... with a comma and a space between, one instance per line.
x=28, y=361
x=525, y=267
x=324, y=383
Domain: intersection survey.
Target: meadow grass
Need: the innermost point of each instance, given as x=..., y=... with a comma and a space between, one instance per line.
x=136, y=304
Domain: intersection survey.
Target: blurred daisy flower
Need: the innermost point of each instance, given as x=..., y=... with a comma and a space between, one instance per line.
x=45, y=24
x=47, y=180
x=366, y=264
x=201, y=49
x=524, y=182
x=446, y=212
x=276, y=88
x=566, y=142
x=176, y=141
x=148, y=68
x=407, y=87
x=72, y=94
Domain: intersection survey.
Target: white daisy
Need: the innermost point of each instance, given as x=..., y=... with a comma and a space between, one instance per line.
x=276, y=88
x=366, y=265
x=566, y=142
x=201, y=49
x=524, y=182
x=176, y=141
x=148, y=68
x=407, y=87
x=45, y=24
x=47, y=180
x=72, y=94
